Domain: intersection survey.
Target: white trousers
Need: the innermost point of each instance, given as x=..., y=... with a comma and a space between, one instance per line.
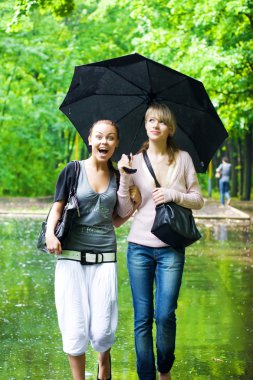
x=86, y=303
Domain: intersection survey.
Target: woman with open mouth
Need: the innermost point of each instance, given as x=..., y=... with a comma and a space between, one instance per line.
x=86, y=269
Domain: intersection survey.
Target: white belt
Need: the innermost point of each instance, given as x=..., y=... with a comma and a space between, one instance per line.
x=88, y=257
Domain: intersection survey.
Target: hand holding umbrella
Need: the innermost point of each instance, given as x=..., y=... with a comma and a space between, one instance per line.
x=125, y=164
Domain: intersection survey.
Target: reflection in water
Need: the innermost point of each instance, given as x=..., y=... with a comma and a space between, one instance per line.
x=215, y=311
x=221, y=232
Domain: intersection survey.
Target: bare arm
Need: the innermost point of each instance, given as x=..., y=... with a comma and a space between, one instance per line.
x=52, y=243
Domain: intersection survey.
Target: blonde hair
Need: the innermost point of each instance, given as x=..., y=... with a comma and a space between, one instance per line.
x=163, y=114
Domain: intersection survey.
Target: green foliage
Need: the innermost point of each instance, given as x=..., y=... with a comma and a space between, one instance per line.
x=42, y=40
x=60, y=8
x=32, y=128
x=210, y=41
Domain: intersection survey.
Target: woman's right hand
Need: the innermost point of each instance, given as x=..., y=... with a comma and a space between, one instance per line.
x=135, y=195
x=124, y=162
x=53, y=244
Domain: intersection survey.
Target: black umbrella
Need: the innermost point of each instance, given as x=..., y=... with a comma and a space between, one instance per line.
x=121, y=89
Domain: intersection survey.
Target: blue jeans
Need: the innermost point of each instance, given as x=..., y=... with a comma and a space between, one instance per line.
x=164, y=267
x=224, y=190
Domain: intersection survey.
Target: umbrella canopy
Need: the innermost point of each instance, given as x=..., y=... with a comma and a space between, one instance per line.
x=121, y=89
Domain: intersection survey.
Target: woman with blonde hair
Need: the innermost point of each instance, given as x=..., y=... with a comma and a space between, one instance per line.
x=151, y=261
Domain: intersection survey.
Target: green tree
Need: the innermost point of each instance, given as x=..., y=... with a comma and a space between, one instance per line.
x=42, y=41
x=213, y=43
x=39, y=55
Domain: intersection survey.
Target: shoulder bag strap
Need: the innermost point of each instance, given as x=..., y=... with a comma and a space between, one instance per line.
x=77, y=172
x=148, y=163
x=75, y=178
x=74, y=186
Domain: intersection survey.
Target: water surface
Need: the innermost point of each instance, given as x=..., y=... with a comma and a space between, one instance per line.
x=214, y=316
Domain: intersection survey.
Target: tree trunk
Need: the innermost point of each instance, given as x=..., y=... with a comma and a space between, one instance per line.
x=241, y=166
x=70, y=144
x=216, y=162
x=233, y=154
x=248, y=145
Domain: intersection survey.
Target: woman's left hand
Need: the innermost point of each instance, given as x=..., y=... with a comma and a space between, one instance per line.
x=158, y=195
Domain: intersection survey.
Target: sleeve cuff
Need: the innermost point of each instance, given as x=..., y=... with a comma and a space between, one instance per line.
x=124, y=185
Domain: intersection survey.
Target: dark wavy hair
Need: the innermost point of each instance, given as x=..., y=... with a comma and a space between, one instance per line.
x=110, y=163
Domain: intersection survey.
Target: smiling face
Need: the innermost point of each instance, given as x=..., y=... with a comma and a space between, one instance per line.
x=159, y=122
x=103, y=140
x=156, y=129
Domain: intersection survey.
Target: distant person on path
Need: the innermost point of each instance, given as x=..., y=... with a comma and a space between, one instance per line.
x=151, y=262
x=223, y=174
x=86, y=269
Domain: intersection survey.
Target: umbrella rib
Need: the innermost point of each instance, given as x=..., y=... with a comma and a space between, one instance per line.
x=137, y=95
x=141, y=96
x=130, y=111
x=179, y=103
x=161, y=99
x=182, y=104
x=174, y=84
x=149, y=75
x=189, y=137
x=129, y=81
x=137, y=129
x=145, y=92
x=133, y=140
x=185, y=132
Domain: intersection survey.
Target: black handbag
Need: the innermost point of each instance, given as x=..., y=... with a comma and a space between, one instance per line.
x=69, y=212
x=173, y=224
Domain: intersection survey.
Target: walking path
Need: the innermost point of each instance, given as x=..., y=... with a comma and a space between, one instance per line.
x=20, y=207
x=214, y=210
x=39, y=207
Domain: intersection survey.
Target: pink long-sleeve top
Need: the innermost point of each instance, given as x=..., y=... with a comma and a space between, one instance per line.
x=181, y=187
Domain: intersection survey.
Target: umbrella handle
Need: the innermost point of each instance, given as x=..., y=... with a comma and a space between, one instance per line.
x=129, y=170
